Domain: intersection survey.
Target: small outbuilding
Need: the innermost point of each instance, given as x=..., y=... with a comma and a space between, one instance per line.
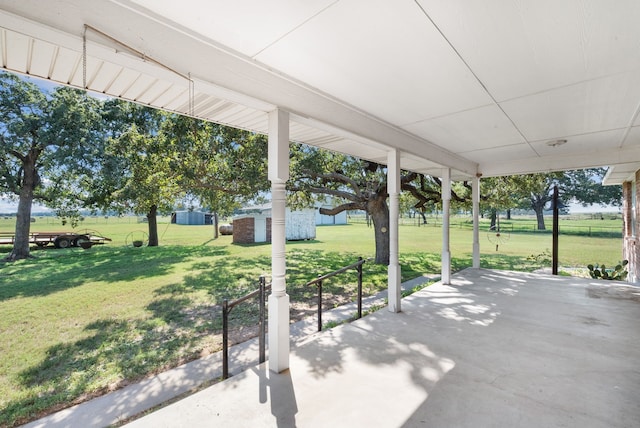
x=192, y=218
x=253, y=225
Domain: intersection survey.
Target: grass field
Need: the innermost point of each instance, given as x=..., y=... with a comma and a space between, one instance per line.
x=76, y=323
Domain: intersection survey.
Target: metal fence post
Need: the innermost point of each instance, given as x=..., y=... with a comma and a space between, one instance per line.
x=261, y=323
x=360, y=287
x=319, y=305
x=225, y=340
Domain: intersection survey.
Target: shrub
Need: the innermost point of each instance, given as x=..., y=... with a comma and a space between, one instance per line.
x=619, y=273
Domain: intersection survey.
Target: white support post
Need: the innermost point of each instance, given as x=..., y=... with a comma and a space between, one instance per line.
x=278, y=299
x=446, y=204
x=475, y=196
x=393, y=188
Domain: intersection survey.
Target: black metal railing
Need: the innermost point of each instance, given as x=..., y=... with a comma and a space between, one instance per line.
x=319, y=280
x=227, y=306
x=260, y=293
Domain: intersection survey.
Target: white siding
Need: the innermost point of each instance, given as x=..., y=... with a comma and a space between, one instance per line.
x=300, y=224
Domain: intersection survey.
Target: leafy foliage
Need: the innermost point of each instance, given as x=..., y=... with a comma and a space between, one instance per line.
x=47, y=151
x=618, y=273
x=535, y=191
x=221, y=166
x=154, y=159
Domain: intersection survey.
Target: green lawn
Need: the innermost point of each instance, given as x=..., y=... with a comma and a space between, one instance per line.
x=76, y=323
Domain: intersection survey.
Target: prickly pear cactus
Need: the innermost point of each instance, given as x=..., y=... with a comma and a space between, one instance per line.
x=619, y=273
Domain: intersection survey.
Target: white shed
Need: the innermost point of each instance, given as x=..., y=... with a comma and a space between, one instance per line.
x=254, y=224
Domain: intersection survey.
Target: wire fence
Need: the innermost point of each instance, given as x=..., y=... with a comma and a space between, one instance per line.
x=516, y=227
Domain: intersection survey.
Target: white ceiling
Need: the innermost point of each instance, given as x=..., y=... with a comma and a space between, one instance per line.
x=479, y=87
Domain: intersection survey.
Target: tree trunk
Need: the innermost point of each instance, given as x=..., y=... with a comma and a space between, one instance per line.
x=494, y=215
x=23, y=218
x=379, y=212
x=215, y=225
x=152, y=221
x=509, y=214
x=424, y=218
x=539, y=209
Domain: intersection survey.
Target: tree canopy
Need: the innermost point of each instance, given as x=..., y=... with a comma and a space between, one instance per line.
x=153, y=159
x=49, y=147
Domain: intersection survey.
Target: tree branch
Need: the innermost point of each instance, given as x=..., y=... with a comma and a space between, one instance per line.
x=332, y=192
x=344, y=207
x=335, y=176
x=17, y=155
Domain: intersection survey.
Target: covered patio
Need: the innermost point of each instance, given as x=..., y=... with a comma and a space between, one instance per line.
x=494, y=348
x=451, y=89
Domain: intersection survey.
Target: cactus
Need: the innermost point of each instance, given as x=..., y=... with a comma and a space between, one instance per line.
x=619, y=273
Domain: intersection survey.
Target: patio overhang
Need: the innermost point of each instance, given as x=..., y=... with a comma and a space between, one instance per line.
x=492, y=89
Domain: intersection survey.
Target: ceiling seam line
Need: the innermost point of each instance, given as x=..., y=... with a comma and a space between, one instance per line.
x=634, y=117
x=250, y=60
x=440, y=116
x=293, y=29
x=475, y=76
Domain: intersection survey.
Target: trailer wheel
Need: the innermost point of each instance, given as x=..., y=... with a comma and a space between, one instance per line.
x=62, y=242
x=77, y=242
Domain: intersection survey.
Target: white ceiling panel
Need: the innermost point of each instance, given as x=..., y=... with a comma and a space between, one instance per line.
x=418, y=67
x=104, y=77
x=258, y=122
x=170, y=96
x=206, y=105
x=64, y=65
x=139, y=87
x=357, y=149
x=263, y=22
x=596, y=105
x=17, y=55
x=518, y=48
x=595, y=142
x=179, y=102
x=154, y=91
x=412, y=163
x=480, y=128
x=229, y=115
x=501, y=154
x=621, y=173
x=124, y=80
x=633, y=137
x=41, y=58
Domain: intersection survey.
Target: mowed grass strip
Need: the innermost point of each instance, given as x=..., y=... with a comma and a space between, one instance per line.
x=76, y=323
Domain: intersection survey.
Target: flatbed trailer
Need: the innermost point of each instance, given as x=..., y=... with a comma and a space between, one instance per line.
x=84, y=239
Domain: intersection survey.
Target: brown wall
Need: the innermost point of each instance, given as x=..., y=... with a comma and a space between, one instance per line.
x=244, y=230
x=268, y=229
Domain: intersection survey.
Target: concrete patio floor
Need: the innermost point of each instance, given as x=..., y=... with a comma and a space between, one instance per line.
x=494, y=349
